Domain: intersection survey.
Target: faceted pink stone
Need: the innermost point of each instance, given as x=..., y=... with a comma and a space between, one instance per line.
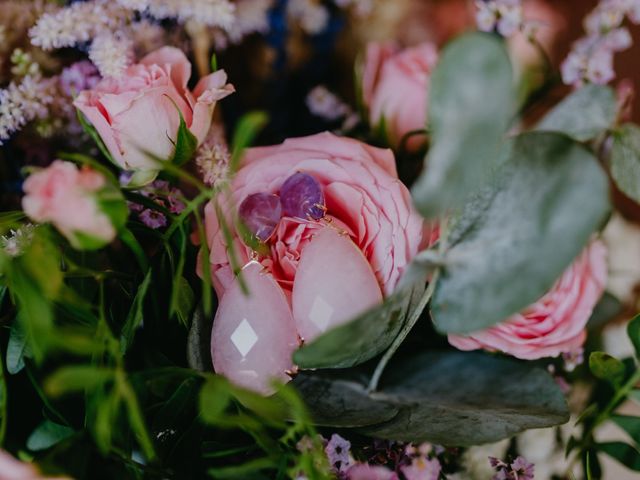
x=254, y=336
x=334, y=283
x=301, y=196
x=261, y=213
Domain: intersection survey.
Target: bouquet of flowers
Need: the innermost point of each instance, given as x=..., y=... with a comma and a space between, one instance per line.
x=316, y=239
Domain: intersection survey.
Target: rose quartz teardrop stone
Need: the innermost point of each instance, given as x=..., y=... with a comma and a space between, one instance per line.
x=334, y=283
x=254, y=336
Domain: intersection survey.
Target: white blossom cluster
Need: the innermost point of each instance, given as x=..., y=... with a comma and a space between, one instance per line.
x=591, y=57
x=213, y=157
x=14, y=243
x=504, y=16
x=111, y=53
x=22, y=102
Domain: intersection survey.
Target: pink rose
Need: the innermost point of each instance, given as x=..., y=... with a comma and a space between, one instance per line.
x=363, y=471
x=138, y=113
x=78, y=202
x=555, y=324
x=395, y=87
x=311, y=268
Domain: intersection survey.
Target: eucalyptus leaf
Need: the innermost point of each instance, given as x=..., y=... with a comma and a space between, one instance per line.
x=338, y=402
x=625, y=160
x=466, y=399
x=199, y=342
x=47, y=434
x=623, y=453
x=629, y=424
x=607, y=368
x=359, y=340
x=523, y=230
x=471, y=100
x=584, y=114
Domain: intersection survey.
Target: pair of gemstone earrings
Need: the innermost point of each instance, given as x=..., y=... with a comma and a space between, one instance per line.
x=300, y=196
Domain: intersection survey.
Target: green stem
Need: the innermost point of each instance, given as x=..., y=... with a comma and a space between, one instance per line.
x=190, y=208
x=130, y=241
x=402, y=335
x=617, y=398
x=3, y=405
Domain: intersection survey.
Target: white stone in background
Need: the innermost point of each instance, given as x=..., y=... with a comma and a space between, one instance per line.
x=334, y=283
x=623, y=242
x=254, y=335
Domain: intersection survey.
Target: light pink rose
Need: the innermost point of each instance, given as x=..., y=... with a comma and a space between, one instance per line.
x=362, y=471
x=68, y=198
x=395, y=87
x=138, y=114
x=555, y=324
x=12, y=469
x=359, y=250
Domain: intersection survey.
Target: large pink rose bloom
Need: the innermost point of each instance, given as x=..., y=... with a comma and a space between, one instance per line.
x=138, y=113
x=395, y=87
x=67, y=197
x=556, y=323
x=316, y=273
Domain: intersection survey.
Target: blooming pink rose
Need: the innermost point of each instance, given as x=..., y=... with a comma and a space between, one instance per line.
x=395, y=86
x=138, y=113
x=369, y=234
x=363, y=471
x=555, y=324
x=70, y=198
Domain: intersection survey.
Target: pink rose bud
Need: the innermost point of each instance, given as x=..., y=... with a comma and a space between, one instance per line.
x=395, y=85
x=80, y=203
x=555, y=324
x=138, y=114
x=343, y=219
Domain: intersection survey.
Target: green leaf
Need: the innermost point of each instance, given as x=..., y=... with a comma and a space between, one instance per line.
x=461, y=399
x=633, y=331
x=625, y=160
x=136, y=313
x=341, y=402
x=523, y=231
x=448, y=398
x=112, y=203
x=471, y=100
x=623, y=453
x=47, y=434
x=184, y=300
x=246, y=131
x=17, y=349
x=77, y=378
x=214, y=401
x=359, y=340
x=185, y=145
x=584, y=114
x=608, y=368
x=629, y=424
x=140, y=178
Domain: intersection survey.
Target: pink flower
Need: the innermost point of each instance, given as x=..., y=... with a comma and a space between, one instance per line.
x=555, y=323
x=138, y=113
x=12, y=469
x=362, y=471
x=369, y=234
x=73, y=201
x=422, y=468
x=395, y=87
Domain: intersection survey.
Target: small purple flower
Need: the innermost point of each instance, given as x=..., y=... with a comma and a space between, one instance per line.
x=337, y=451
x=153, y=219
x=176, y=205
x=521, y=469
x=80, y=76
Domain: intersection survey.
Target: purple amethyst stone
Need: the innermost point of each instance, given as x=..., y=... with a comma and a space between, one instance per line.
x=261, y=213
x=301, y=196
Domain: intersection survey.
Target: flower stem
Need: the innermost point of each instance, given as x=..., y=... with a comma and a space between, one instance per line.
x=406, y=328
